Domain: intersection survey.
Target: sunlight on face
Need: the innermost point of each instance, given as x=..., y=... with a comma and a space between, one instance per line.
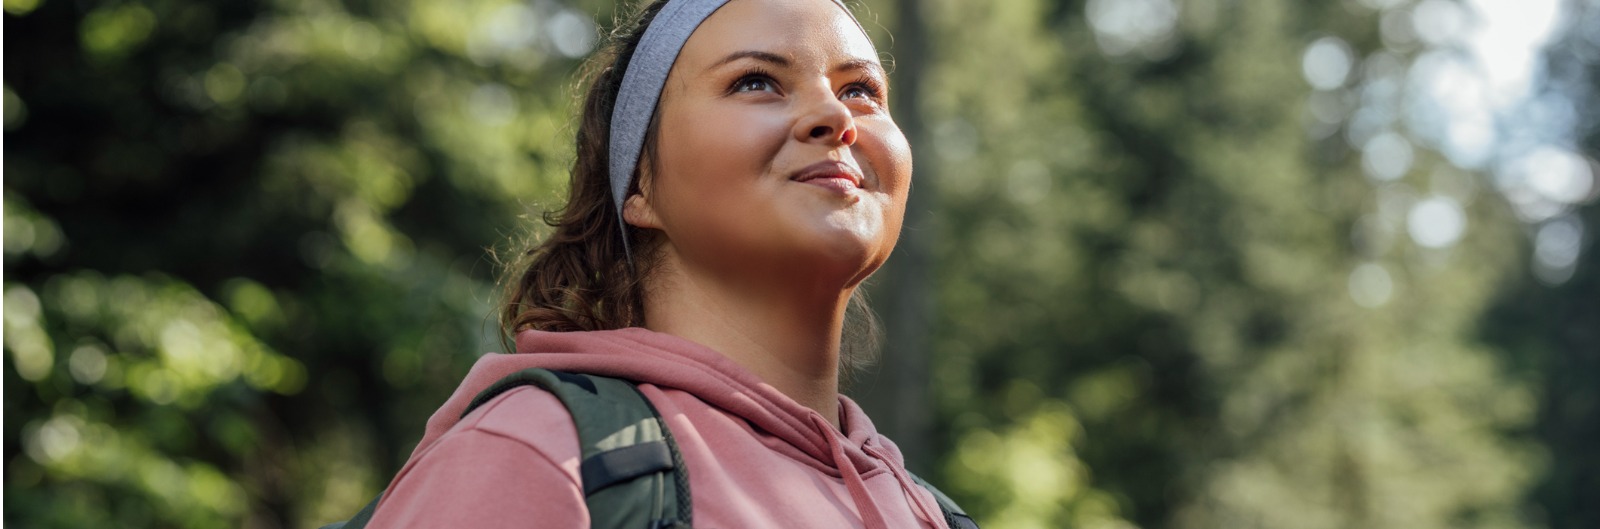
x=777, y=152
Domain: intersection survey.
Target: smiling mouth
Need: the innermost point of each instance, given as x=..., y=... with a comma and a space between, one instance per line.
x=831, y=174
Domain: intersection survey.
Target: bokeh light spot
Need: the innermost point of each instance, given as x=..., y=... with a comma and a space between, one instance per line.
x=1370, y=285
x=1387, y=156
x=572, y=33
x=363, y=41
x=1327, y=62
x=21, y=7
x=492, y=104
x=1556, y=248
x=115, y=30
x=87, y=363
x=32, y=353
x=224, y=82
x=57, y=439
x=1439, y=22
x=1436, y=222
x=1122, y=27
x=15, y=110
x=1556, y=174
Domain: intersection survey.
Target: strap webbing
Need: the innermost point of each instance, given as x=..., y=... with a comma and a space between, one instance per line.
x=622, y=464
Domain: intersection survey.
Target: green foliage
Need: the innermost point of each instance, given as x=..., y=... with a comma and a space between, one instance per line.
x=1154, y=242
x=245, y=243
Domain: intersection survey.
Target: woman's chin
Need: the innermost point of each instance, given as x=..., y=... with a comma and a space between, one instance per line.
x=859, y=222
x=848, y=242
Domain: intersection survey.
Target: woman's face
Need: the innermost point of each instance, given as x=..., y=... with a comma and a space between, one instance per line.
x=776, y=151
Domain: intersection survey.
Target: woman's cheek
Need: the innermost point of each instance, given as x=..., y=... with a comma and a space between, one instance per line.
x=890, y=155
x=889, y=152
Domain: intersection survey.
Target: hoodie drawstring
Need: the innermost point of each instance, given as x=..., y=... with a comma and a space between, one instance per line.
x=932, y=513
x=852, y=478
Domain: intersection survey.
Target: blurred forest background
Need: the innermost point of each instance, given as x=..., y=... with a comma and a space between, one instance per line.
x=1170, y=263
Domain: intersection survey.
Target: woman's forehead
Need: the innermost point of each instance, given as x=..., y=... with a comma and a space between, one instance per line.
x=800, y=31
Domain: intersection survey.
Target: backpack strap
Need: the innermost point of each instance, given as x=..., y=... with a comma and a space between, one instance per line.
x=633, y=476
x=953, y=515
x=632, y=473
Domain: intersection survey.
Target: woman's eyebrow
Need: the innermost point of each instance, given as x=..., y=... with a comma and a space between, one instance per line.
x=851, y=65
x=762, y=56
x=855, y=65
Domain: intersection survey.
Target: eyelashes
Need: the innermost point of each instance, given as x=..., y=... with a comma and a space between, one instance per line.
x=871, y=86
x=754, y=77
x=760, y=80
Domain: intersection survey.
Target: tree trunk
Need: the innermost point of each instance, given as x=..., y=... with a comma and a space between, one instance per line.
x=897, y=396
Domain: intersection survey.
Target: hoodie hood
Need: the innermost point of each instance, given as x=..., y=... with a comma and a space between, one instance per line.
x=649, y=357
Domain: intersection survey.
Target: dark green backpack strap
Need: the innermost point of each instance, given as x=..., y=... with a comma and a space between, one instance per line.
x=953, y=515
x=632, y=473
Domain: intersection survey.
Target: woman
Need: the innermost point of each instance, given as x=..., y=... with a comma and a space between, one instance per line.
x=762, y=179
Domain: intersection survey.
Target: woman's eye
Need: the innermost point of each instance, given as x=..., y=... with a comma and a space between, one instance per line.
x=754, y=84
x=860, y=91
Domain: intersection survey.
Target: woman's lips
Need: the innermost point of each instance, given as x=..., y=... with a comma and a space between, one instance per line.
x=835, y=183
x=836, y=176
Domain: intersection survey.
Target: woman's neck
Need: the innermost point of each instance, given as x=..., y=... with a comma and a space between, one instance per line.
x=787, y=333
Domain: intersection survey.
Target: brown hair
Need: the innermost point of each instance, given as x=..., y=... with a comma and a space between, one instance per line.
x=579, y=278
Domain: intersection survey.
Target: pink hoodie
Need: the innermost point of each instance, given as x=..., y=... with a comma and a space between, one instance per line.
x=755, y=457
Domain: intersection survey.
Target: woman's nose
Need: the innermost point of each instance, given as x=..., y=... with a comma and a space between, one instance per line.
x=826, y=120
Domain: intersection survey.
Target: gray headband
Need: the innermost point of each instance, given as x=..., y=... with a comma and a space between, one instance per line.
x=642, y=83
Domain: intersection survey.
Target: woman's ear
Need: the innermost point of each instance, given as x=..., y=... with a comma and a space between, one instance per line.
x=638, y=212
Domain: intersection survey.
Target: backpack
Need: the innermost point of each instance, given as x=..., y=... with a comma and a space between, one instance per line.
x=632, y=473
